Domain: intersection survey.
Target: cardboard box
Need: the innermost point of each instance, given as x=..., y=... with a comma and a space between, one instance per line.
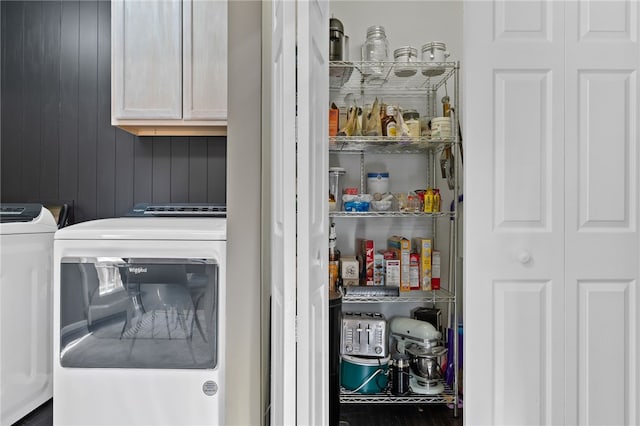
x=349, y=267
x=414, y=271
x=366, y=250
x=378, y=269
x=435, y=270
x=402, y=248
x=424, y=247
x=392, y=272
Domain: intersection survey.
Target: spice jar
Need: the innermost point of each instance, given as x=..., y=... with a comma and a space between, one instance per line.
x=411, y=118
x=375, y=49
x=405, y=55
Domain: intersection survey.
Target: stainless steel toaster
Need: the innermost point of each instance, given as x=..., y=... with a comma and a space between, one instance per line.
x=364, y=334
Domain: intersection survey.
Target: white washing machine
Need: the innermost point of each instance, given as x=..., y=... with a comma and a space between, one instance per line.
x=26, y=259
x=139, y=319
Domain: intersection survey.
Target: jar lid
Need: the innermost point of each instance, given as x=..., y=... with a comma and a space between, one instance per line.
x=376, y=30
x=411, y=114
x=405, y=51
x=337, y=170
x=336, y=25
x=440, y=45
x=378, y=175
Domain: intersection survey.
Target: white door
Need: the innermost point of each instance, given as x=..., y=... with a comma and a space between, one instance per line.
x=602, y=218
x=283, y=213
x=551, y=212
x=312, y=211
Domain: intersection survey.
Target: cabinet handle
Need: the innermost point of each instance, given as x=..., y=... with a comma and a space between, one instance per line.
x=524, y=257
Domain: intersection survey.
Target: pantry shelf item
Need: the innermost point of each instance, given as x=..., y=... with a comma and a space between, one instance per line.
x=432, y=296
x=354, y=75
x=387, y=397
x=385, y=145
x=403, y=88
x=382, y=214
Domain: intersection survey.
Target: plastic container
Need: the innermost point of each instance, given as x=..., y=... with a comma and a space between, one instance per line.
x=364, y=375
x=441, y=127
x=377, y=182
x=335, y=187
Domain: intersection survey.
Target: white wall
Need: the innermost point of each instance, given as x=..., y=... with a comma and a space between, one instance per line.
x=243, y=399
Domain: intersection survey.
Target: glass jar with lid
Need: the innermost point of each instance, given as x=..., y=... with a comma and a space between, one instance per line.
x=375, y=49
x=411, y=118
x=402, y=56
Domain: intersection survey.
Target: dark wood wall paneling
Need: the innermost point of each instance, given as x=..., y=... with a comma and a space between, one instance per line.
x=57, y=139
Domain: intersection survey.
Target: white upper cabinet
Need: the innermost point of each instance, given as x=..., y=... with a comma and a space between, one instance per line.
x=169, y=66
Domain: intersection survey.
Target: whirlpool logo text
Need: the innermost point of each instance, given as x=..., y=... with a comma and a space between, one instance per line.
x=138, y=270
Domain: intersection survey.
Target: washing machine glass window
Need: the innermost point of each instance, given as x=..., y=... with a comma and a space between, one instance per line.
x=138, y=313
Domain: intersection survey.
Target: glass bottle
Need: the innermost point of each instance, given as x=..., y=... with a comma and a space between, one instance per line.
x=389, y=122
x=375, y=49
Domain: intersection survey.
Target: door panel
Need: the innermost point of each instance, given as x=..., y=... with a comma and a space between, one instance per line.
x=606, y=193
x=601, y=202
x=600, y=20
x=523, y=171
x=312, y=211
x=282, y=214
x=521, y=328
x=607, y=319
x=514, y=212
x=522, y=20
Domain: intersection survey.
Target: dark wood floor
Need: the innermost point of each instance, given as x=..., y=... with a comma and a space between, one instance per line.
x=398, y=415
x=41, y=416
x=350, y=415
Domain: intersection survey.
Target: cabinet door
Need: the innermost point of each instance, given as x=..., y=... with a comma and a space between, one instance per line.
x=146, y=59
x=205, y=60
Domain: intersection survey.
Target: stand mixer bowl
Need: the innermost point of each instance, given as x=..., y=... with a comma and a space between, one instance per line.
x=425, y=362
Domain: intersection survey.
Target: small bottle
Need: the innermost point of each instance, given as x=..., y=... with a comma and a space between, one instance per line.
x=428, y=200
x=334, y=259
x=389, y=122
x=437, y=200
x=446, y=106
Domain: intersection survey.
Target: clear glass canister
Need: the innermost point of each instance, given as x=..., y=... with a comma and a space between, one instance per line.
x=403, y=56
x=433, y=54
x=375, y=49
x=335, y=187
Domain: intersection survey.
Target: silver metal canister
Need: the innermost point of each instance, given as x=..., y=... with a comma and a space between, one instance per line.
x=400, y=374
x=336, y=40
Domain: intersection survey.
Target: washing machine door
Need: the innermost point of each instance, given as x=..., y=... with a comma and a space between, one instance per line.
x=138, y=313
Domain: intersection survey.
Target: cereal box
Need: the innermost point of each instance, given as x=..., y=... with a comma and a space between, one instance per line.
x=402, y=247
x=424, y=247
